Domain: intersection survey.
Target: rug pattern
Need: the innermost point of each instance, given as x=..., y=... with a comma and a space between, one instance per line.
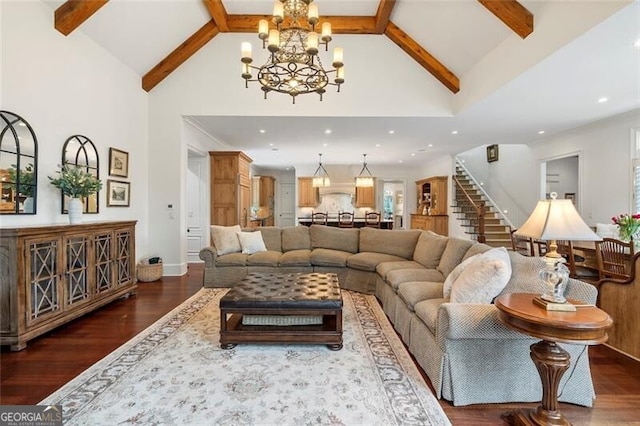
x=175, y=373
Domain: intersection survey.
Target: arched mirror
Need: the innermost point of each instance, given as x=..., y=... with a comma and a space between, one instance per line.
x=18, y=165
x=79, y=151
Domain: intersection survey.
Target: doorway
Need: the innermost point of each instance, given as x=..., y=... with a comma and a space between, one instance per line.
x=562, y=176
x=197, y=200
x=393, y=207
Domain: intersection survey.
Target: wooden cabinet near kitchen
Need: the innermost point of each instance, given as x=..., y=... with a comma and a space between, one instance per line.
x=308, y=196
x=366, y=196
x=267, y=191
x=431, y=214
x=230, y=188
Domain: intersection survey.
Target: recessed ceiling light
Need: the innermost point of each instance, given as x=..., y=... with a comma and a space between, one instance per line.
x=270, y=144
x=377, y=145
x=399, y=161
x=327, y=132
x=455, y=132
x=391, y=132
x=263, y=131
x=413, y=154
x=325, y=144
x=637, y=43
x=430, y=145
x=603, y=99
x=541, y=132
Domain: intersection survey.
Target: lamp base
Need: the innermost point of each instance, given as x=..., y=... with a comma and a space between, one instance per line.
x=555, y=276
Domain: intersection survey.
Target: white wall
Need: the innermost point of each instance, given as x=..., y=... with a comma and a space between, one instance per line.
x=65, y=86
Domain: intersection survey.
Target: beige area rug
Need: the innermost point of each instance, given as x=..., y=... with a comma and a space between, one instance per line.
x=175, y=373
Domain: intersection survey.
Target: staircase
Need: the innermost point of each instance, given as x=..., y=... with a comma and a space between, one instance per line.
x=495, y=232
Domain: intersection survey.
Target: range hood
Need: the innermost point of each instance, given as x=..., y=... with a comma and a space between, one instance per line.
x=339, y=188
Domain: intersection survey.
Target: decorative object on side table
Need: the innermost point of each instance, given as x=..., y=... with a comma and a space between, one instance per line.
x=628, y=226
x=554, y=220
x=77, y=183
x=118, y=193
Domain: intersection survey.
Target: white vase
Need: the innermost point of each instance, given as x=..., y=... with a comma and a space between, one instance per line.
x=75, y=211
x=28, y=205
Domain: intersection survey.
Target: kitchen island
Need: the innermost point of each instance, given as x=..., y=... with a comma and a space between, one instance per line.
x=358, y=222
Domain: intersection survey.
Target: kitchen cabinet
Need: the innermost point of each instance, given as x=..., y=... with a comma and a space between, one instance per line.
x=55, y=273
x=230, y=188
x=308, y=196
x=267, y=191
x=431, y=214
x=366, y=197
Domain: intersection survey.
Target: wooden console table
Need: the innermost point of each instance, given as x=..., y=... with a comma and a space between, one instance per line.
x=585, y=326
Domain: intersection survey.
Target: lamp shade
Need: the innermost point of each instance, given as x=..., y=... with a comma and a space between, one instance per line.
x=556, y=220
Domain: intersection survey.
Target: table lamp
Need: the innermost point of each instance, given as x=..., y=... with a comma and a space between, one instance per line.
x=554, y=220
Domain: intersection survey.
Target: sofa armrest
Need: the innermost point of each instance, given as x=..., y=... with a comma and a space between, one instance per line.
x=472, y=321
x=209, y=254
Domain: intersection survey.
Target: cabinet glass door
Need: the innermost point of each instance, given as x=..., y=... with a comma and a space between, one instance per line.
x=76, y=276
x=124, y=257
x=43, y=287
x=103, y=254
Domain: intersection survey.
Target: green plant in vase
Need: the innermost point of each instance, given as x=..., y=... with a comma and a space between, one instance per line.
x=628, y=226
x=77, y=183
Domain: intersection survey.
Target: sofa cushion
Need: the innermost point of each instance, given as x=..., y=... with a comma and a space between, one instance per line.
x=483, y=278
x=295, y=257
x=385, y=267
x=429, y=249
x=334, y=238
x=399, y=276
x=272, y=237
x=453, y=276
x=232, y=259
x=413, y=292
x=397, y=243
x=328, y=257
x=477, y=248
x=295, y=238
x=225, y=239
x=453, y=254
x=251, y=242
x=264, y=258
x=427, y=311
x=367, y=261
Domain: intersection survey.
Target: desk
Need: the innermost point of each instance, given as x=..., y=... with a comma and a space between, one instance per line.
x=585, y=326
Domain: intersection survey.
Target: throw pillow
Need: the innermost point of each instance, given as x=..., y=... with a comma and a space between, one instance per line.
x=225, y=238
x=251, y=242
x=483, y=278
x=453, y=275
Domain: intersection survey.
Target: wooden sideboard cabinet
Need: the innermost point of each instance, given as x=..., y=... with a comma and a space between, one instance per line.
x=230, y=188
x=308, y=196
x=52, y=274
x=437, y=224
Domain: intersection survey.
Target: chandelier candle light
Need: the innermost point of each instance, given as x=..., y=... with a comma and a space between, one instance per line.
x=362, y=180
x=554, y=220
x=293, y=66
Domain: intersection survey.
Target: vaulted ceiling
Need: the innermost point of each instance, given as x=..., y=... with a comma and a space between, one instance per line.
x=510, y=68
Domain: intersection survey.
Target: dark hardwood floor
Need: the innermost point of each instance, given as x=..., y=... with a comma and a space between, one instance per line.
x=51, y=360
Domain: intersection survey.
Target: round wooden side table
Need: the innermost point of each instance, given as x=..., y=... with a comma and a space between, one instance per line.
x=585, y=326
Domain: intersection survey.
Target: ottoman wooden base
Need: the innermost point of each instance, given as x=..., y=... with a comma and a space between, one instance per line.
x=283, y=294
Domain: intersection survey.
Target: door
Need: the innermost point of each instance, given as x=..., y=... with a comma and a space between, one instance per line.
x=287, y=201
x=195, y=208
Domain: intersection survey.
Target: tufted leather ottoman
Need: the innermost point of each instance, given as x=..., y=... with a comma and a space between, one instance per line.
x=289, y=308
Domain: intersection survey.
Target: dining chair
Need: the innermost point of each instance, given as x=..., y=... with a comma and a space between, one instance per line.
x=372, y=219
x=319, y=218
x=577, y=271
x=522, y=245
x=614, y=258
x=345, y=219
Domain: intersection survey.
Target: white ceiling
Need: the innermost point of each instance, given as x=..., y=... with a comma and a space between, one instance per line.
x=553, y=92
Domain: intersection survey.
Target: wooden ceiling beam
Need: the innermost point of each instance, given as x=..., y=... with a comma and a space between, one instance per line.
x=179, y=55
x=424, y=58
x=385, y=7
x=71, y=14
x=513, y=14
x=218, y=13
x=339, y=24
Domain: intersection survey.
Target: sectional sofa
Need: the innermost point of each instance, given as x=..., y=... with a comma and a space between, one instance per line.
x=468, y=354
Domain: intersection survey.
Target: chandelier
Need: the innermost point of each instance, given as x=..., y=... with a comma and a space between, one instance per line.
x=320, y=177
x=293, y=66
x=362, y=180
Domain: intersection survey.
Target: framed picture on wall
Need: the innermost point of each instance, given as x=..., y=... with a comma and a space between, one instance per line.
x=118, y=163
x=118, y=193
x=492, y=153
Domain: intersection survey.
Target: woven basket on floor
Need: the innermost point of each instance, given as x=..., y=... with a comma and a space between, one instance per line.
x=147, y=273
